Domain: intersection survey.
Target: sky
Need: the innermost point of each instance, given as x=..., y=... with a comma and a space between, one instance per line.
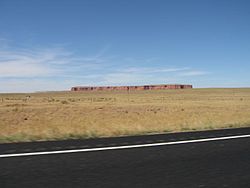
x=54, y=45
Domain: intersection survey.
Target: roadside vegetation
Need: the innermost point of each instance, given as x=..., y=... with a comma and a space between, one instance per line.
x=69, y=115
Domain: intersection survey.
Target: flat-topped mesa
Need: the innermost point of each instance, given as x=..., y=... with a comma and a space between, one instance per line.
x=144, y=87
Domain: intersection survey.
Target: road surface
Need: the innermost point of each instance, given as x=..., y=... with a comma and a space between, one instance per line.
x=218, y=158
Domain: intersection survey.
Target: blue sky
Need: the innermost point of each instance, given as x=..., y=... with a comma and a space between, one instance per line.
x=53, y=45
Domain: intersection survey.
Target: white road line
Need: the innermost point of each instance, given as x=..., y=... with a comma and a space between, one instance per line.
x=124, y=147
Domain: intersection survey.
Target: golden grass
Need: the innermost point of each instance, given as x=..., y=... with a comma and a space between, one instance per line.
x=63, y=115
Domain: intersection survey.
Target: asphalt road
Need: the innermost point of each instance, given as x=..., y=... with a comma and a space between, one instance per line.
x=221, y=163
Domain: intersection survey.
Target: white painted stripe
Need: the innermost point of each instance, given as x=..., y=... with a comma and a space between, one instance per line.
x=124, y=147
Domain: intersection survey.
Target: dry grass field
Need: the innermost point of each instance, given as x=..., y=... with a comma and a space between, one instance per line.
x=65, y=115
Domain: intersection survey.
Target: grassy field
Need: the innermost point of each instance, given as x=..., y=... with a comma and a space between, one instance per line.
x=65, y=115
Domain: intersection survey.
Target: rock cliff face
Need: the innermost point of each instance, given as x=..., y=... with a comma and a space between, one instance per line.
x=144, y=87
